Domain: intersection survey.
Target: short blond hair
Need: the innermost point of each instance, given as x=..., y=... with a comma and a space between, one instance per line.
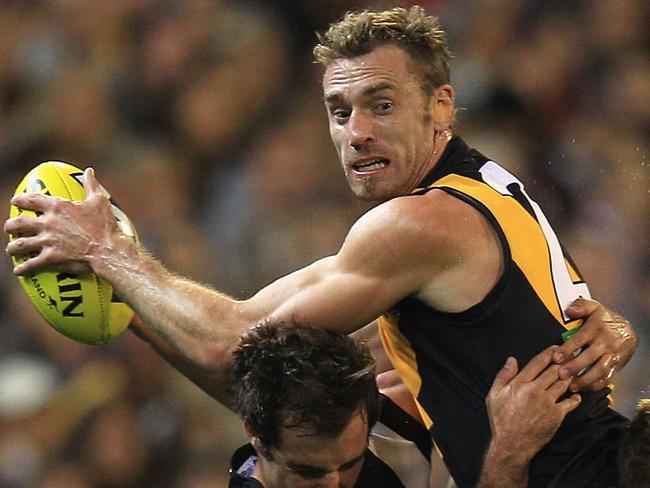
x=419, y=34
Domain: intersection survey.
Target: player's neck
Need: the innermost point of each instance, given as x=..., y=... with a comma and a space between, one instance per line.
x=440, y=142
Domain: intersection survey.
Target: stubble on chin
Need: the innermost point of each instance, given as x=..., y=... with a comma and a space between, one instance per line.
x=369, y=184
x=366, y=190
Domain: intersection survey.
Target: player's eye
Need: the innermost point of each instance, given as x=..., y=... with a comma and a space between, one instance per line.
x=384, y=108
x=341, y=114
x=308, y=474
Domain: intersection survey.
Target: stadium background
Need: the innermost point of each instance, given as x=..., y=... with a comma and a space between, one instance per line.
x=204, y=119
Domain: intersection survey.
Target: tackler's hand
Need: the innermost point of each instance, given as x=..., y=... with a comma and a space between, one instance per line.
x=67, y=235
x=526, y=407
x=603, y=345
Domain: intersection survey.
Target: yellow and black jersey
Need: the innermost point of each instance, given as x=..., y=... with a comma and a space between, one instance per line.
x=449, y=360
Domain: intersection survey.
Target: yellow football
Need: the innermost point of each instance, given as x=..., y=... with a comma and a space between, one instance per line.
x=80, y=306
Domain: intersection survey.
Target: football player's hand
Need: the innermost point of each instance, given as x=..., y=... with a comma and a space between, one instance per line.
x=67, y=235
x=524, y=406
x=602, y=346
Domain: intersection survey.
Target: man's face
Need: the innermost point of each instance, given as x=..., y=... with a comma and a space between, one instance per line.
x=316, y=461
x=381, y=122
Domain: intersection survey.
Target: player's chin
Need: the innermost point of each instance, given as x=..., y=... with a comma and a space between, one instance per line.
x=371, y=190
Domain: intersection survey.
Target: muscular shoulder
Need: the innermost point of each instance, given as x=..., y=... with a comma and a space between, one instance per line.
x=425, y=228
x=434, y=245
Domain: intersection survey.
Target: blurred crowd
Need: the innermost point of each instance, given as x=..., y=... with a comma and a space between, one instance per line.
x=204, y=120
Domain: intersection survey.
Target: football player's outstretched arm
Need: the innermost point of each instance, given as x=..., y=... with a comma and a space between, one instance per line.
x=388, y=254
x=200, y=324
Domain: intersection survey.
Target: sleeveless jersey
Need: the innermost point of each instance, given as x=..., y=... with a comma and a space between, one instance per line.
x=398, y=454
x=449, y=360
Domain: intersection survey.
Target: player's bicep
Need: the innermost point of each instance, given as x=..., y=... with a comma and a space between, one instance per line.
x=325, y=295
x=365, y=279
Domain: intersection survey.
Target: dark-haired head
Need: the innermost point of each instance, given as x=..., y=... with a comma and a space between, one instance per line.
x=302, y=377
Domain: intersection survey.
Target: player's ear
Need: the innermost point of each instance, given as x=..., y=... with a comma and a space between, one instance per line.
x=443, y=107
x=249, y=431
x=255, y=441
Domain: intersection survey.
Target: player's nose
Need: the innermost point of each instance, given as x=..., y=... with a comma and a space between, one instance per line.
x=361, y=130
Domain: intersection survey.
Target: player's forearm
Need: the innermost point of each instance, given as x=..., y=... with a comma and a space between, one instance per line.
x=201, y=324
x=216, y=383
x=503, y=468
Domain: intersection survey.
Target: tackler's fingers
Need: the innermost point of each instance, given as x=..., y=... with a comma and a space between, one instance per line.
x=598, y=375
x=536, y=365
x=559, y=388
x=583, y=361
x=569, y=404
x=505, y=374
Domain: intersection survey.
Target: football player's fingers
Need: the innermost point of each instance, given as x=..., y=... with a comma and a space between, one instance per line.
x=569, y=404
x=597, y=376
x=581, y=308
x=559, y=388
x=24, y=245
x=32, y=201
x=548, y=377
x=46, y=258
x=595, y=386
x=22, y=226
x=575, y=344
x=505, y=374
x=30, y=265
x=536, y=365
x=92, y=185
x=583, y=361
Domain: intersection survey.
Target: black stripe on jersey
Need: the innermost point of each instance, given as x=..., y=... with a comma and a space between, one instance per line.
x=571, y=262
x=377, y=474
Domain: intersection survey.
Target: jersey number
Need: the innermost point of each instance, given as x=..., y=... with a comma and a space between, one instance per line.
x=566, y=290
